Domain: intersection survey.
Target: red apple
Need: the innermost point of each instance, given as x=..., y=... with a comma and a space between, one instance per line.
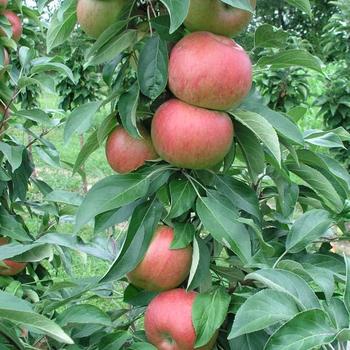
x=125, y=153
x=209, y=71
x=3, y=5
x=15, y=23
x=217, y=17
x=162, y=268
x=12, y=267
x=95, y=16
x=168, y=321
x=191, y=137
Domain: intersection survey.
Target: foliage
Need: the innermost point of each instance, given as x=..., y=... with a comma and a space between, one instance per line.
x=260, y=225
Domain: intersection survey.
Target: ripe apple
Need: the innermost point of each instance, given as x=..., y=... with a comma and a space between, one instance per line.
x=162, y=268
x=95, y=16
x=209, y=71
x=217, y=17
x=15, y=23
x=12, y=267
x=125, y=153
x=191, y=137
x=3, y=4
x=168, y=321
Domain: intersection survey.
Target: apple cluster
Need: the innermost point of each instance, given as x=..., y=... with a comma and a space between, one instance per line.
x=209, y=73
x=9, y=267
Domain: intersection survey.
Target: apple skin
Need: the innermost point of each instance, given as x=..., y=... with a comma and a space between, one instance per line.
x=95, y=16
x=191, y=137
x=125, y=153
x=217, y=17
x=162, y=268
x=209, y=71
x=168, y=321
x=13, y=267
x=15, y=23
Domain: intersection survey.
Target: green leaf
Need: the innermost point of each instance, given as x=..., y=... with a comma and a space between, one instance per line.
x=10, y=227
x=241, y=4
x=267, y=36
x=153, y=67
x=182, y=196
x=307, y=228
x=251, y=341
x=13, y=154
x=127, y=107
x=14, y=310
x=52, y=66
x=112, y=48
x=325, y=139
x=241, y=195
x=308, y=330
x=289, y=283
x=262, y=310
x=142, y=346
x=291, y=58
x=262, y=129
x=347, y=286
x=65, y=197
x=303, y=5
x=319, y=183
x=282, y=124
x=208, y=313
x=142, y=226
x=252, y=151
x=36, y=115
x=184, y=233
x=83, y=314
x=106, y=128
x=80, y=119
x=220, y=220
x=111, y=193
x=178, y=10
x=61, y=25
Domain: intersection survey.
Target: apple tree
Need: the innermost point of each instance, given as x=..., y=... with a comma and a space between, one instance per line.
x=226, y=211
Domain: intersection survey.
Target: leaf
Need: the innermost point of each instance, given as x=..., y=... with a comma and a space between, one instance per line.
x=241, y=4
x=112, y=48
x=178, y=10
x=143, y=223
x=307, y=228
x=52, y=66
x=219, y=220
x=347, y=285
x=262, y=310
x=184, y=234
x=65, y=197
x=13, y=309
x=61, y=25
x=36, y=115
x=239, y=193
x=10, y=227
x=106, y=128
x=252, y=151
x=13, y=154
x=111, y=193
x=319, y=183
x=200, y=265
x=289, y=283
x=267, y=36
x=127, y=107
x=308, y=330
x=208, y=313
x=182, y=196
x=325, y=139
x=83, y=314
x=303, y=5
x=251, y=341
x=142, y=346
x=80, y=119
x=282, y=124
x=262, y=129
x=153, y=67
x=291, y=58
